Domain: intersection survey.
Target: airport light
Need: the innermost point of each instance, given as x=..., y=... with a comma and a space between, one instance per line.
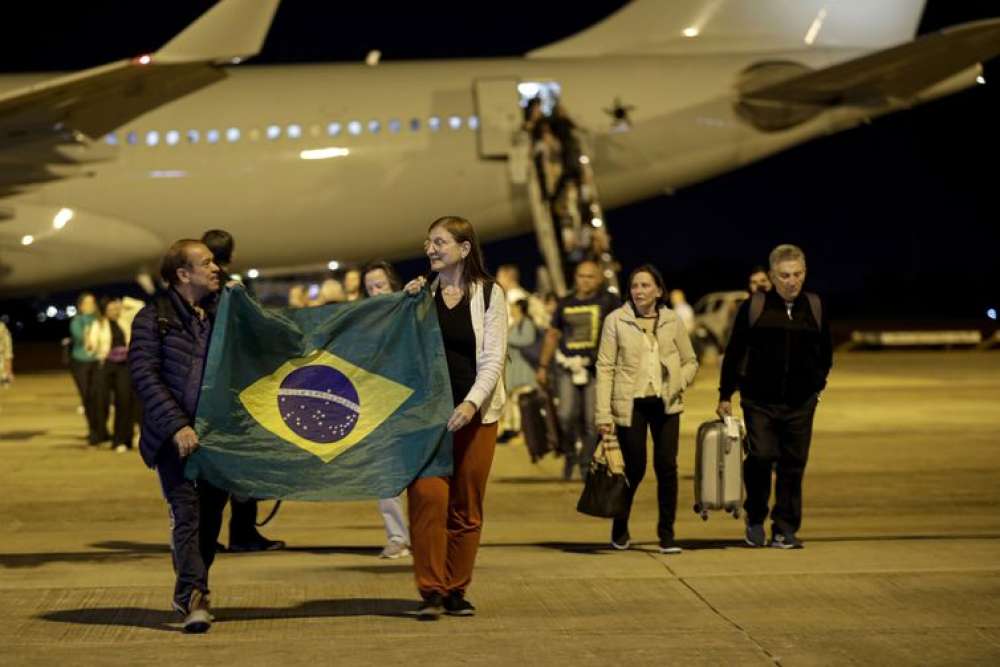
x=981, y=80
x=333, y=265
x=584, y=159
x=324, y=153
x=27, y=239
x=252, y=274
x=144, y=59
x=597, y=222
x=62, y=218
x=71, y=311
x=991, y=313
x=691, y=32
x=51, y=311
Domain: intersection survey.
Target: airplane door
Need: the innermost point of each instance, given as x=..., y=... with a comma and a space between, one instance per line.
x=499, y=110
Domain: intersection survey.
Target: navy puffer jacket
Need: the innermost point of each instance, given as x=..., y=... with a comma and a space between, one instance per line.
x=167, y=369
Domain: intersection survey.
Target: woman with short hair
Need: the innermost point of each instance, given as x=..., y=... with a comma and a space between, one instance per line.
x=644, y=364
x=446, y=513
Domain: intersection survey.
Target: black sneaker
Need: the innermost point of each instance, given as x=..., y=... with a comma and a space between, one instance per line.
x=621, y=542
x=456, y=605
x=785, y=541
x=670, y=547
x=260, y=544
x=755, y=535
x=431, y=608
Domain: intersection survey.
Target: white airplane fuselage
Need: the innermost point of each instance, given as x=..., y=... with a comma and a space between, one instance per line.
x=373, y=194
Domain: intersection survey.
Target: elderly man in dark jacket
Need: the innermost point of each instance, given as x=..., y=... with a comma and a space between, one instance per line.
x=778, y=356
x=167, y=358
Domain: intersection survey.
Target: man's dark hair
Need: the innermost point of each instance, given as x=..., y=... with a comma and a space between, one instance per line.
x=758, y=268
x=176, y=258
x=221, y=243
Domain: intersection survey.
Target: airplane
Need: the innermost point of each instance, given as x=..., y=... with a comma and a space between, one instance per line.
x=101, y=169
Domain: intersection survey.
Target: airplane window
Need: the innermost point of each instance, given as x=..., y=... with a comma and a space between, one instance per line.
x=233, y=134
x=473, y=122
x=212, y=136
x=131, y=138
x=294, y=131
x=455, y=122
x=111, y=139
x=374, y=126
x=193, y=136
x=354, y=127
x=394, y=125
x=434, y=123
x=415, y=124
x=172, y=137
x=273, y=131
x=333, y=129
x=152, y=138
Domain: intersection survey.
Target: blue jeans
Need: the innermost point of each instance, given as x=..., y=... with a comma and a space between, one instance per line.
x=576, y=419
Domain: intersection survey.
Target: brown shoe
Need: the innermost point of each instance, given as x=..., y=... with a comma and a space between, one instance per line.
x=198, y=619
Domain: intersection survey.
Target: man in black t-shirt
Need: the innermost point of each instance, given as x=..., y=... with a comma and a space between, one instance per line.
x=572, y=339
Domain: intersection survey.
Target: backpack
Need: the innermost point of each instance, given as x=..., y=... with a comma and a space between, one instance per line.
x=166, y=315
x=757, y=307
x=757, y=300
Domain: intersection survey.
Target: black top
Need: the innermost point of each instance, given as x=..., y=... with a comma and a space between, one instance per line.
x=580, y=321
x=459, y=345
x=784, y=358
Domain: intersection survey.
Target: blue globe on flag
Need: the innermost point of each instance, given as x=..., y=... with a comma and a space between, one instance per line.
x=319, y=403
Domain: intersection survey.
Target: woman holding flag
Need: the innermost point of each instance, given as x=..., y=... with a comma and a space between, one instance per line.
x=446, y=513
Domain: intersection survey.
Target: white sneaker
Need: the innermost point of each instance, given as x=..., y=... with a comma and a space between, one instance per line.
x=121, y=449
x=395, y=550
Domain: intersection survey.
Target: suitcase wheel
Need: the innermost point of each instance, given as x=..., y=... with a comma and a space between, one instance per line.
x=704, y=515
x=737, y=513
x=697, y=508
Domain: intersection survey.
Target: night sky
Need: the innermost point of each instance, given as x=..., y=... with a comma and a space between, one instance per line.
x=899, y=219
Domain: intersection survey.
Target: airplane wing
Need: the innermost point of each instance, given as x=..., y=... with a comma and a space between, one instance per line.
x=57, y=121
x=898, y=73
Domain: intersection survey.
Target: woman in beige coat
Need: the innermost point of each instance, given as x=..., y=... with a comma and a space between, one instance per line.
x=644, y=363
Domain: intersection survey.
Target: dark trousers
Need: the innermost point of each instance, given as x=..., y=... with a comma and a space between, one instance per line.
x=195, y=520
x=242, y=520
x=116, y=384
x=648, y=415
x=778, y=438
x=86, y=376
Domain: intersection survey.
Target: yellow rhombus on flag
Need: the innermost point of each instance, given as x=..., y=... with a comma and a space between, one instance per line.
x=322, y=403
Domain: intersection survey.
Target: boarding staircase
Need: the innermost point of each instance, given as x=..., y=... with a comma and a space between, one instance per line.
x=562, y=243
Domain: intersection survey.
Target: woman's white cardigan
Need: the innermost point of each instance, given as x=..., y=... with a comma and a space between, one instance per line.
x=487, y=393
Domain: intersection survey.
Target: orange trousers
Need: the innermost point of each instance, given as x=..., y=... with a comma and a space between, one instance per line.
x=446, y=513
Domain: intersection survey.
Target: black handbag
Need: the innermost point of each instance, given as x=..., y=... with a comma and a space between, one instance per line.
x=606, y=490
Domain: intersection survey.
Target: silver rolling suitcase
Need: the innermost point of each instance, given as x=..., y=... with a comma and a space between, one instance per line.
x=718, y=468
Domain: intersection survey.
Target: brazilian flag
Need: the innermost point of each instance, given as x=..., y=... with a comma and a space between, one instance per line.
x=338, y=402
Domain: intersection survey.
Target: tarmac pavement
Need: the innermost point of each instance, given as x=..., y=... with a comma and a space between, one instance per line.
x=901, y=565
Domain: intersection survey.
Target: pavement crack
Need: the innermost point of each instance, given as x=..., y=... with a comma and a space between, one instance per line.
x=715, y=610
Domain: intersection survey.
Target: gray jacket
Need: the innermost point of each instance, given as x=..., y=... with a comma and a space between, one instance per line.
x=619, y=359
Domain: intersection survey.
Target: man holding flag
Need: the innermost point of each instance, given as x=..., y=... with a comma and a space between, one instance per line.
x=166, y=358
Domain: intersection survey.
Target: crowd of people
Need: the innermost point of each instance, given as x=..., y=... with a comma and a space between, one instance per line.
x=613, y=368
